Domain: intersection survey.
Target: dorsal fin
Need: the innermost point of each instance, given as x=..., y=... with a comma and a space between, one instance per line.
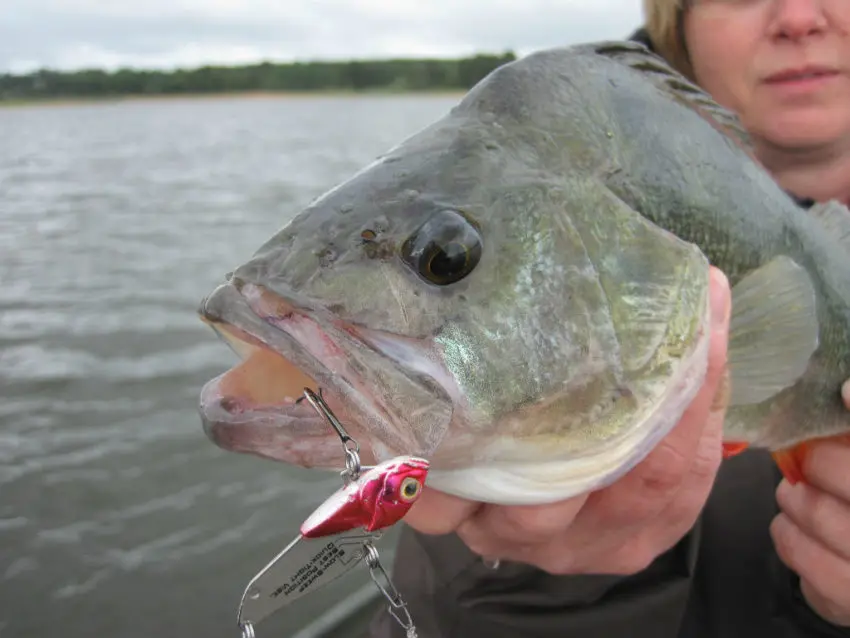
x=659, y=72
x=835, y=217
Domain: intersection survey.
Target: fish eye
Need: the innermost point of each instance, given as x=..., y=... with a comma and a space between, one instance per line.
x=410, y=488
x=444, y=249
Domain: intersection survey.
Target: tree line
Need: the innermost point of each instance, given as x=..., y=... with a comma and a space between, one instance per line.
x=352, y=75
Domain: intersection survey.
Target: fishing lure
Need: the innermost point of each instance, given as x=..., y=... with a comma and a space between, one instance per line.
x=339, y=534
x=378, y=499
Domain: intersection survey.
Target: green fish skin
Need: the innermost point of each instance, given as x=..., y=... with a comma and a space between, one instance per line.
x=519, y=291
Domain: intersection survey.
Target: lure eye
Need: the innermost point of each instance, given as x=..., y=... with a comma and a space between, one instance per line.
x=410, y=488
x=444, y=249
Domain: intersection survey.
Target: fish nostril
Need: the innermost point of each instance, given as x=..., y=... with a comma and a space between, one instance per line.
x=327, y=256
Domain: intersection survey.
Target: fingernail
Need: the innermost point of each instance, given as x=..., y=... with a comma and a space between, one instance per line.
x=719, y=297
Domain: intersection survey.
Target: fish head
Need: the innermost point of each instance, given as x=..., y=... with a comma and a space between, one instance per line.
x=475, y=297
x=365, y=294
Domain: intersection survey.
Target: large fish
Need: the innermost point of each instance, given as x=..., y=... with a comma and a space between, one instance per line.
x=518, y=292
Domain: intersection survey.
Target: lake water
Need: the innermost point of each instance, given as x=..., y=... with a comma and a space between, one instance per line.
x=117, y=516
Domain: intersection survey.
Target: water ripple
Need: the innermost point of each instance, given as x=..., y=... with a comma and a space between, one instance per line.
x=115, y=220
x=35, y=362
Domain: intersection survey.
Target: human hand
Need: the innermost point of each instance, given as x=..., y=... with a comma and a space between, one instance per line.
x=812, y=532
x=620, y=529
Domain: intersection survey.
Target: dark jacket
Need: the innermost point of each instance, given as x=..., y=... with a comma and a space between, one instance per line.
x=723, y=580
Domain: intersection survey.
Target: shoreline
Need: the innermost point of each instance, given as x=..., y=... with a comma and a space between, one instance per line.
x=224, y=95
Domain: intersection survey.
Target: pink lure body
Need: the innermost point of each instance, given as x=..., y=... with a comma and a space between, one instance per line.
x=379, y=498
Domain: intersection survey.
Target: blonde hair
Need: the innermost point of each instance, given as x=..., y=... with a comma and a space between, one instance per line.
x=664, y=25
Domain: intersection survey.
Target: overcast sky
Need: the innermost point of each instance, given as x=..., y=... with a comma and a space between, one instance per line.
x=69, y=34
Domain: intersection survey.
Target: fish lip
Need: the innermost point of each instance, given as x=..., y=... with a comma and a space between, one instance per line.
x=226, y=307
x=795, y=73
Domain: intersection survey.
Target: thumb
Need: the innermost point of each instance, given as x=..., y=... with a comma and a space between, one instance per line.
x=439, y=513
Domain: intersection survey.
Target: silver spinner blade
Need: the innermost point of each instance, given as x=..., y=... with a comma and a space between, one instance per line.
x=307, y=564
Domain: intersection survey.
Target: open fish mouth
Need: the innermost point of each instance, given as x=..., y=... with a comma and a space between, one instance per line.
x=389, y=394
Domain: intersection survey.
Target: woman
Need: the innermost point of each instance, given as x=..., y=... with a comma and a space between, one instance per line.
x=783, y=67
x=706, y=549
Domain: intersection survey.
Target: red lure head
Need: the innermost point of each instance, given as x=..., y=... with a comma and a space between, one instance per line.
x=379, y=498
x=396, y=493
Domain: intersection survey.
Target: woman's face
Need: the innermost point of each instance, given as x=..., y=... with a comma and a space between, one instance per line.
x=782, y=65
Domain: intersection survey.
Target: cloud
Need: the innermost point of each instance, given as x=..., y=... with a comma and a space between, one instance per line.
x=67, y=34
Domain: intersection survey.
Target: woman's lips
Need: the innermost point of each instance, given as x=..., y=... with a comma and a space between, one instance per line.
x=802, y=80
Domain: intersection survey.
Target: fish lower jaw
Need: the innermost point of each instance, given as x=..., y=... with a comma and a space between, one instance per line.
x=529, y=472
x=284, y=431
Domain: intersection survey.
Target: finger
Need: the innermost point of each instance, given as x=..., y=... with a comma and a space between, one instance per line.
x=639, y=549
x=845, y=393
x=825, y=572
x=439, y=513
x=830, y=610
x=523, y=524
x=488, y=548
x=551, y=555
x=825, y=467
x=818, y=514
x=682, y=511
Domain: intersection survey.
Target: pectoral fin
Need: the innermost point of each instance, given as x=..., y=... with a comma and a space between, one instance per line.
x=773, y=330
